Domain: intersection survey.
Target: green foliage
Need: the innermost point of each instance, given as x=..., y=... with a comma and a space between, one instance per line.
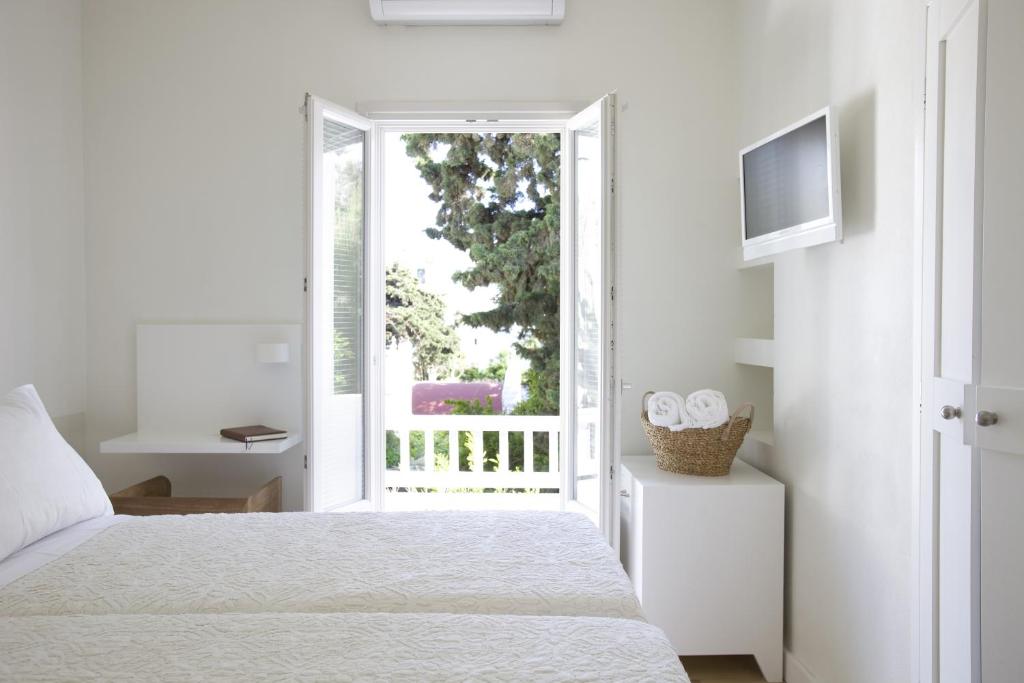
x=537, y=401
x=495, y=370
x=467, y=456
x=499, y=202
x=417, y=316
x=417, y=451
x=516, y=452
x=474, y=407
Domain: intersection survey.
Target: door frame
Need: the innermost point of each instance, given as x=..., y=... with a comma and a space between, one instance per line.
x=409, y=122
x=451, y=117
x=922, y=626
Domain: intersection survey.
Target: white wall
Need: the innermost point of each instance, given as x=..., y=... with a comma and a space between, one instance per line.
x=42, y=262
x=195, y=179
x=843, y=331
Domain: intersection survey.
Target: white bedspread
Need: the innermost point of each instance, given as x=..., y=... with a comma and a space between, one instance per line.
x=533, y=563
x=334, y=647
x=48, y=549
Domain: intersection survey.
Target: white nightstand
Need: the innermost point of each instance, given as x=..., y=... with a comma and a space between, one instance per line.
x=705, y=555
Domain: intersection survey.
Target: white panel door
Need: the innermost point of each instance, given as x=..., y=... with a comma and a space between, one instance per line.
x=590, y=423
x=973, y=402
x=950, y=329
x=1001, y=392
x=337, y=374
x=956, y=120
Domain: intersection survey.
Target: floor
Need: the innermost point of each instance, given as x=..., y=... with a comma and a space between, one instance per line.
x=722, y=669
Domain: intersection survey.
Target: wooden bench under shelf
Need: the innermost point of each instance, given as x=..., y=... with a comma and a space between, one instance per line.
x=153, y=497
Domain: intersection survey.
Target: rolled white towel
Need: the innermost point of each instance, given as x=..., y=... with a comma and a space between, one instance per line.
x=667, y=409
x=707, y=409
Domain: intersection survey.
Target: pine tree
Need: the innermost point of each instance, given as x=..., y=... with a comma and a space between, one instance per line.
x=417, y=316
x=499, y=202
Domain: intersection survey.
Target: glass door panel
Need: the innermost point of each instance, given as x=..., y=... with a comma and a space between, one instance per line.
x=588, y=311
x=591, y=421
x=336, y=461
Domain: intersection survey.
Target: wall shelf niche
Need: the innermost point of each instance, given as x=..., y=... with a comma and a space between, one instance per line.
x=751, y=351
x=194, y=380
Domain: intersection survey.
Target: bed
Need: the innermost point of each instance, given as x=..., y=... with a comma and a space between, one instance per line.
x=433, y=596
x=532, y=563
x=339, y=647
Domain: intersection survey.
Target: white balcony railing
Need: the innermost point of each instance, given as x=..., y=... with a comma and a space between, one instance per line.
x=428, y=473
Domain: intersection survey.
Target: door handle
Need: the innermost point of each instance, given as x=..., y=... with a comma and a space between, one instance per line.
x=624, y=493
x=985, y=418
x=950, y=412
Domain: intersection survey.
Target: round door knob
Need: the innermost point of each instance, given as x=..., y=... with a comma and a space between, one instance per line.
x=985, y=418
x=949, y=412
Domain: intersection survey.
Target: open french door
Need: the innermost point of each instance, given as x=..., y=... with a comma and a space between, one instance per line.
x=345, y=431
x=588, y=292
x=340, y=357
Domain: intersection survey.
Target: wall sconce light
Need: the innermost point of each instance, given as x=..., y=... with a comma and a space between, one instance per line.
x=272, y=353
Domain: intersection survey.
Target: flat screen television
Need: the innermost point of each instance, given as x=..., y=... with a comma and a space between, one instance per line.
x=789, y=188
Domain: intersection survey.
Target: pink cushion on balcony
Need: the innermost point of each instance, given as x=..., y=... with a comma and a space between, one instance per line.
x=430, y=398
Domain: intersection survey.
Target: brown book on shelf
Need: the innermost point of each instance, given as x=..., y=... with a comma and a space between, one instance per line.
x=253, y=433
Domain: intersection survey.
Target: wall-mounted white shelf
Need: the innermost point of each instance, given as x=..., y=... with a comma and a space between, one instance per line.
x=755, y=352
x=136, y=443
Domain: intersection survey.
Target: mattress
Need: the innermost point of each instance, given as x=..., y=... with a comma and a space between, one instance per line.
x=335, y=647
x=519, y=563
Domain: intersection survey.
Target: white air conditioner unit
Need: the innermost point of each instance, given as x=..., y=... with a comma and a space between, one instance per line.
x=467, y=12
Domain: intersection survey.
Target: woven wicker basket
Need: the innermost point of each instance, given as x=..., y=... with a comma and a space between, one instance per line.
x=706, y=452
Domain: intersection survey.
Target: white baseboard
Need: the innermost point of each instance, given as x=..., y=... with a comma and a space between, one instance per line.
x=795, y=671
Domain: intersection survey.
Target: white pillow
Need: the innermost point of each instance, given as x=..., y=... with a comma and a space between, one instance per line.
x=45, y=486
